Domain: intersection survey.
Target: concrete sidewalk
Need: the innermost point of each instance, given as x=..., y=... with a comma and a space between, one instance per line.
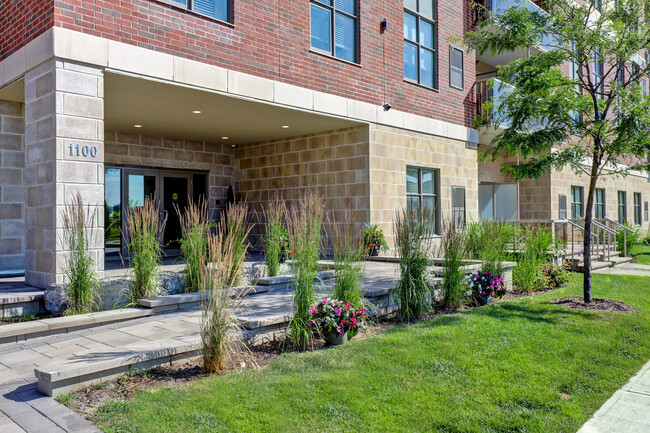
x=636, y=269
x=627, y=411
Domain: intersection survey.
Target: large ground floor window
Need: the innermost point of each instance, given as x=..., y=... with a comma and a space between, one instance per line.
x=127, y=186
x=498, y=202
x=622, y=207
x=422, y=191
x=638, y=216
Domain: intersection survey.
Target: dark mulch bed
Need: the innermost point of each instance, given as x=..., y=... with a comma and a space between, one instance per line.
x=597, y=305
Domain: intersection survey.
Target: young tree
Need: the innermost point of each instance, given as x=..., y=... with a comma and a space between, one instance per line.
x=580, y=103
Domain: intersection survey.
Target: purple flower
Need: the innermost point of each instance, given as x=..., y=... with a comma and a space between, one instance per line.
x=311, y=323
x=339, y=330
x=313, y=310
x=324, y=301
x=486, y=272
x=483, y=292
x=338, y=311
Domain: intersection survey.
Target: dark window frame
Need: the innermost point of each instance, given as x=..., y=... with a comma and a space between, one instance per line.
x=189, y=7
x=575, y=204
x=419, y=195
x=419, y=46
x=461, y=69
x=600, y=206
x=638, y=215
x=622, y=207
x=332, y=27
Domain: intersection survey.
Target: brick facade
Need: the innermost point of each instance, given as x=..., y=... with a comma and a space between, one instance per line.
x=22, y=21
x=12, y=188
x=271, y=39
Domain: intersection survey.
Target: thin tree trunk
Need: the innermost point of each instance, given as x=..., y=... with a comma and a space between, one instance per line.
x=589, y=213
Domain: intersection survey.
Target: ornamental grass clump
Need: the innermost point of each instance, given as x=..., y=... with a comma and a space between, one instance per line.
x=537, y=242
x=305, y=224
x=145, y=231
x=488, y=242
x=413, y=230
x=347, y=247
x=276, y=238
x=225, y=253
x=453, y=252
x=236, y=225
x=83, y=291
x=195, y=230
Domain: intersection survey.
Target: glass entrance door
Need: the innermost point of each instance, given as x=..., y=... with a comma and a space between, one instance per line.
x=175, y=193
x=137, y=186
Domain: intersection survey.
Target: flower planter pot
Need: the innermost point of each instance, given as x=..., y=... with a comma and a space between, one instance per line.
x=333, y=338
x=482, y=299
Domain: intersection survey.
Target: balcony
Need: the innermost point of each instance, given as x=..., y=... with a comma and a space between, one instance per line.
x=499, y=6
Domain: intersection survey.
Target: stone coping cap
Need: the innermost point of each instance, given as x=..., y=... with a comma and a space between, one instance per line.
x=188, y=298
x=93, y=363
x=283, y=279
x=79, y=320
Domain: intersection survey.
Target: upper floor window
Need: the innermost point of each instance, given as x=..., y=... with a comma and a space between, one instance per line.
x=334, y=28
x=420, y=54
x=456, y=68
x=218, y=9
x=598, y=73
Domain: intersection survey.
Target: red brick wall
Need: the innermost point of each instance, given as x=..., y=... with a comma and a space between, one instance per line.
x=271, y=38
x=21, y=21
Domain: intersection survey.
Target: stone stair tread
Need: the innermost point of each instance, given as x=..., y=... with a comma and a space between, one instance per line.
x=15, y=295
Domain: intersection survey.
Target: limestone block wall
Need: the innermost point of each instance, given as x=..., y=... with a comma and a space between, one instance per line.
x=332, y=163
x=160, y=152
x=392, y=150
x=561, y=183
x=64, y=107
x=535, y=199
x=12, y=189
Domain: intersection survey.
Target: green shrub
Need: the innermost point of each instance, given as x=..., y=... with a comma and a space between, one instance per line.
x=454, y=284
x=276, y=238
x=489, y=242
x=83, y=291
x=305, y=224
x=625, y=240
x=145, y=246
x=413, y=230
x=348, y=246
x=536, y=244
x=553, y=276
x=195, y=229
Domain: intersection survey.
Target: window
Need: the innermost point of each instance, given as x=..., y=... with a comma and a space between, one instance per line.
x=334, y=28
x=574, y=74
x=599, y=204
x=598, y=74
x=622, y=207
x=498, y=202
x=577, y=202
x=562, y=206
x=420, y=42
x=456, y=68
x=637, y=209
x=218, y=9
x=422, y=191
x=645, y=211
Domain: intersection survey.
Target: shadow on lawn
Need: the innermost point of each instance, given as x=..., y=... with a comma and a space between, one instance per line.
x=544, y=313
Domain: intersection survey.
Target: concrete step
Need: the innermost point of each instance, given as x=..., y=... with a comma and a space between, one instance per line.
x=17, y=299
x=17, y=332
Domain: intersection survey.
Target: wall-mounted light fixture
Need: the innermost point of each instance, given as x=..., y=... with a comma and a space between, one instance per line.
x=387, y=106
x=383, y=26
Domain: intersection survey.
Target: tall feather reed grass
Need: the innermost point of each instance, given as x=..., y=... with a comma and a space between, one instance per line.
x=305, y=237
x=235, y=223
x=489, y=241
x=348, y=253
x=453, y=253
x=225, y=253
x=413, y=230
x=527, y=276
x=83, y=291
x=145, y=246
x=195, y=229
x=274, y=216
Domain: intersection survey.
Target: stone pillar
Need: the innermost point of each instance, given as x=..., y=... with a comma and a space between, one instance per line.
x=64, y=154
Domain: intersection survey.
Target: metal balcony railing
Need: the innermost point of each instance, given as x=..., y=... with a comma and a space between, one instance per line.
x=495, y=93
x=497, y=6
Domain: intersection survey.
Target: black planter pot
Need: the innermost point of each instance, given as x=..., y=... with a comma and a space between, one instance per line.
x=374, y=252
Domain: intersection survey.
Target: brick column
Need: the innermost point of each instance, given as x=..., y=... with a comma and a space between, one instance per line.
x=64, y=153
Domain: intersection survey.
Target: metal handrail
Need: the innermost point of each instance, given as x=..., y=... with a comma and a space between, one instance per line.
x=625, y=230
x=617, y=224
x=573, y=227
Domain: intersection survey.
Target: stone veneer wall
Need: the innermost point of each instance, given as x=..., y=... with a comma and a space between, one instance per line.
x=393, y=149
x=166, y=153
x=333, y=163
x=12, y=187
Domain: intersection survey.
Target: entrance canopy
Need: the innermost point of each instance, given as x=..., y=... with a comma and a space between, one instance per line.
x=180, y=112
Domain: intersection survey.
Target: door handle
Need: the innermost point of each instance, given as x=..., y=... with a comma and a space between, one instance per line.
x=164, y=214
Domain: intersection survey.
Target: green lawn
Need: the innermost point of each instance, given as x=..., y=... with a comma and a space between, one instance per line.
x=642, y=253
x=519, y=366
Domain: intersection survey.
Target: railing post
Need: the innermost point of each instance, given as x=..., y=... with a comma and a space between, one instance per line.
x=624, y=243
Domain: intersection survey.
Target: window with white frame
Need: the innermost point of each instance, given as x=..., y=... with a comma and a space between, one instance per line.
x=334, y=25
x=456, y=68
x=598, y=73
x=420, y=53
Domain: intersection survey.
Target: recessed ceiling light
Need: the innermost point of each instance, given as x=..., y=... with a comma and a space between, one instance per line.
x=225, y=138
x=285, y=126
x=137, y=126
x=197, y=111
x=233, y=146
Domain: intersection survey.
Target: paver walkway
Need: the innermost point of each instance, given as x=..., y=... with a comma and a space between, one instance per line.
x=627, y=269
x=24, y=409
